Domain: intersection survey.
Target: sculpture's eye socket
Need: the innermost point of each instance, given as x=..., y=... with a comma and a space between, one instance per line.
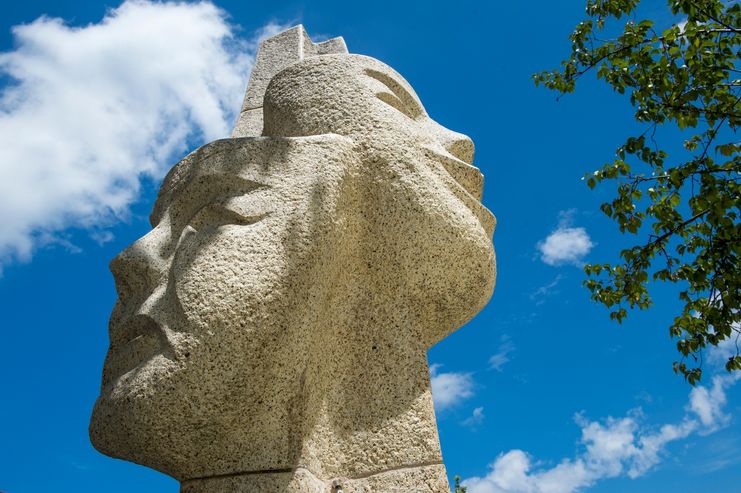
x=396, y=95
x=392, y=100
x=215, y=215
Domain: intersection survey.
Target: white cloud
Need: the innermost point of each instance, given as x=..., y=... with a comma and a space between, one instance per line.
x=92, y=110
x=718, y=356
x=611, y=448
x=449, y=389
x=476, y=418
x=539, y=295
x=707, y=402
x=501, y=357
x=567, y=244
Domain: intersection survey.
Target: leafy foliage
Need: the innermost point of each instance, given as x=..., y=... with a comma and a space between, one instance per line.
x=684, y=211
x=457, y=488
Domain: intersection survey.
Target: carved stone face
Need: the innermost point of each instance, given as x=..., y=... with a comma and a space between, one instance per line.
x=265, y=256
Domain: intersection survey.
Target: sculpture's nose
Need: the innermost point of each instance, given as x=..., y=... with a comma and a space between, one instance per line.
x=138, y=269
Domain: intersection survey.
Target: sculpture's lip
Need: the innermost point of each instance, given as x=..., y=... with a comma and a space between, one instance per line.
x=133, y=342
x=131, y=328
x=484, y=215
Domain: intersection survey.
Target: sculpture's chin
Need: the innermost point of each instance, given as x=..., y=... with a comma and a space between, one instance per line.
x=129, y=429
x=110, y=417
x=103, y=425
x=461, y=292
x=133, y=409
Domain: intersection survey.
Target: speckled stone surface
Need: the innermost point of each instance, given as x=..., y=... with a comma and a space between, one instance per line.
x=271, y=329
x=417, y=479
x=274, y=55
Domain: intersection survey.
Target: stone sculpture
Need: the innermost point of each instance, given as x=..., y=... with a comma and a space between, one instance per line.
x=271, y=330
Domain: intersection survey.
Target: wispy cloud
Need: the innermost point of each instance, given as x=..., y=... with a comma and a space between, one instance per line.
x=645, y=397
x=721, y=451
x=449, y=389
x=539, y=295
x=502, y=356
x=609, y=448
x=707, y=403
x=475, y=419
x=566, y=244
x=92, y=110
x=718, y=356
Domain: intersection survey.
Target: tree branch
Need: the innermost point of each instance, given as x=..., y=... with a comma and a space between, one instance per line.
x=684, y=224
x=710, y=16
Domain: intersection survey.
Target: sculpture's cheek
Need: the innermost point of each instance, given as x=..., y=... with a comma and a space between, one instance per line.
x=227, y=279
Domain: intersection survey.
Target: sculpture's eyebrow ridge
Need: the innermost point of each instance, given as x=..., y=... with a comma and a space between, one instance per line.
x=209, y=186
x=411, y=104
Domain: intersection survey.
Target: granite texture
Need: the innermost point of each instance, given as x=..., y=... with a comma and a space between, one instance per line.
x=271, y=329
x=274, y=55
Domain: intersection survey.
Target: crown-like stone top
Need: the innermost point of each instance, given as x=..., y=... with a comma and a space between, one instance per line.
x=274, y=55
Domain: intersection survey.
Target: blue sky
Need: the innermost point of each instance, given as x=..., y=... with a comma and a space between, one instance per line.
x=539, y=385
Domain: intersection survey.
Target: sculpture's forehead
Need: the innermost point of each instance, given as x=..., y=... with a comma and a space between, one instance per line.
x=180, y=175
x=230, y=165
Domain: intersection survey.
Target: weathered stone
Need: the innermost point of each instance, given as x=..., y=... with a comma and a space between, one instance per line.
x=275, y=54
x=271, y=330
x=417, y=479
